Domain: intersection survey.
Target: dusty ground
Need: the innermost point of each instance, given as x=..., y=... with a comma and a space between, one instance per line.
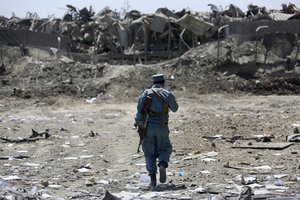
x=51, y=167
x=88, y=109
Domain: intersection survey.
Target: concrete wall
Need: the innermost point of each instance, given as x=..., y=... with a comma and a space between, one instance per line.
x=248, y=28
x=34, y=39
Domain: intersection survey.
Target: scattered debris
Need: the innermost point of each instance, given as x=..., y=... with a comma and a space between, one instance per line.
x=265, y=167
x=202, y=155
x=293, y=138
x=20, y=157
x=109, y=196
x=248, y=180
x=246, y=194
x=258, y=138
x=168, y=187
x=34, y=137
x=269, y=145
x=93, y=134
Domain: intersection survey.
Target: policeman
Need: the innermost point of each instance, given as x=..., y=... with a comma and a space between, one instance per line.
x=156, y=143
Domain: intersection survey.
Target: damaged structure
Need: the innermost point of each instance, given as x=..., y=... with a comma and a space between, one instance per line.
x=164, y=34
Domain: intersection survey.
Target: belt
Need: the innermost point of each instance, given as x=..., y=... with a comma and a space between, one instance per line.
x=152, y=114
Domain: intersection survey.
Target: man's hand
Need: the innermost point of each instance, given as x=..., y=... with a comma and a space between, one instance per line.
x=138, y=123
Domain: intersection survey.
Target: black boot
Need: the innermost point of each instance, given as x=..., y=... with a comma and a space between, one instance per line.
x=153, y=181
x=162, y=172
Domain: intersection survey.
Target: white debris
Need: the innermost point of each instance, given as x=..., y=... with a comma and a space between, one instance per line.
x=22, y=151
x=205, y=172
x=69, y=115
x=4, y=185
x=144, y=178
x=208, y=159
x=14, y=177
x=84, y=169
x=170, y=174
x=104, y=182
x=46, y=196
x=248, y=180
x=136, y=175
x=256, y=185
x=92, y=100
x=198, y=190
x=27, y=164
x=70, y=158
x=66, y=59
x=149, y=195
x=86, y=156
x=132, y=187
x=55, y=186
x=127, y=195
x=280, y=176
x=275, y=187
x=296, y=125
x=202, y=155
x=175, y=196
x=141, y=164
x=264, y=167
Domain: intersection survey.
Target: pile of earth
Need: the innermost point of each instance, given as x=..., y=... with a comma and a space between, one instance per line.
x=46, y=73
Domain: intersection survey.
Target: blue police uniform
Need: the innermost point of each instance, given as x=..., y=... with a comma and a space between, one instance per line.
x=156, y=144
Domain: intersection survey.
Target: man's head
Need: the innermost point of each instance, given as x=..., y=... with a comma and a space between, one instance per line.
x=158, y=79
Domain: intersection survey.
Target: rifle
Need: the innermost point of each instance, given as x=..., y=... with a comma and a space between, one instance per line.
x=142, y=128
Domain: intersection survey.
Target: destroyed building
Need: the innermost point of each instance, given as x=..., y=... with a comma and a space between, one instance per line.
x=228, y=63
x=164, y=34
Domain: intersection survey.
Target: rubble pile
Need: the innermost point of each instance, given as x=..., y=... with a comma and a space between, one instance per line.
x=44, y=74
x=201, y=56
x=236, y=70
x=132, y=32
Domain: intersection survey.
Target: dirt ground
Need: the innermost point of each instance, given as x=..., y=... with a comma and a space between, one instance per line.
x=73, y=163
x=88, y=109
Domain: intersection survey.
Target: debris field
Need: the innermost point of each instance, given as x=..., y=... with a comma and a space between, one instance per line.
x=67, y=114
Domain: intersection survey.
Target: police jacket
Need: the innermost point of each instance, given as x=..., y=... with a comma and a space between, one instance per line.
x=162, y=101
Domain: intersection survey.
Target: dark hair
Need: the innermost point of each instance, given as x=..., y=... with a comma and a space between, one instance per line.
x=159, y=82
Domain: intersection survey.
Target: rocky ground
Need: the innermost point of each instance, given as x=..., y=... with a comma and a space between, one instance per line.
x=85, y=143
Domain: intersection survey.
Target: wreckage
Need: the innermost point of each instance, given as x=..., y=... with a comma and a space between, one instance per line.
x=164, y=34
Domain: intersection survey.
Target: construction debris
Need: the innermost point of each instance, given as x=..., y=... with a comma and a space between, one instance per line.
x=108, y=32
x=268, y=145
x=34, y=137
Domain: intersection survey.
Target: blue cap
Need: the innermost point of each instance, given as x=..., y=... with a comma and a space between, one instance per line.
x=158, y=77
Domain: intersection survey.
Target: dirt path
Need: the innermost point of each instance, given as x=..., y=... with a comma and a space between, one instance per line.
x=73, y=163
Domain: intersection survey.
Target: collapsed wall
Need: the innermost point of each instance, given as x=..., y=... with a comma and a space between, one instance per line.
x=278, y=37
x=248, y=28
x=27, y=38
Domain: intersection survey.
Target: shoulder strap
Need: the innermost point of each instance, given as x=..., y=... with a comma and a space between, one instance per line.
x=165, y=105
x=156, y=91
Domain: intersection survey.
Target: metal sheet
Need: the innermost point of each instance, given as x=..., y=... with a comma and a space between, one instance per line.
x=280, y=16
x=159, y=23
x=194, y=24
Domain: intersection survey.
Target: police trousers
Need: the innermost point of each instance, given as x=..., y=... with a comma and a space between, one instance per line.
x=156, y=145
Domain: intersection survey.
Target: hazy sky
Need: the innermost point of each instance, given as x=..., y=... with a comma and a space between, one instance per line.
x=44, y=8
